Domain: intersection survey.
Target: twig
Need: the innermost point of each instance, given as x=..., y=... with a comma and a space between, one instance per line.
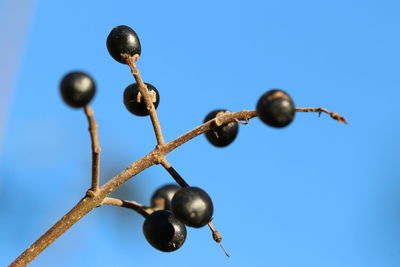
x=82, y=208
x=139, y=208
x=177, y=177
x=244, y=115
x=95, y=148
x=333, y=115
x=147, y=98
x=89, y=202
x=217, y=237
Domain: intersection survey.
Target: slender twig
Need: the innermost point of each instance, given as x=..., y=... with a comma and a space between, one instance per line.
x=177, y=177
x=139, y=208
x=244, y=115
x=91, y=201
x=95, y=148
x=131, y=61
x=82, y=208
x=333, y=115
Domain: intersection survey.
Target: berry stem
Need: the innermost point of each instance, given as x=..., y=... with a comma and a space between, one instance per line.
x=139, y=208
x=131, y=61
x=333, y=115
x=177, y=177
x=95, y=148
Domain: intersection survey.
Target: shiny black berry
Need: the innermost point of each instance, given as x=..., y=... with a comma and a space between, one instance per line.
x=77, y=89
x=164, y=231
x=134, y=101
x=123, y=40
x=193, y=206
x=276, y=108
x=162, y=196
x=222, y=135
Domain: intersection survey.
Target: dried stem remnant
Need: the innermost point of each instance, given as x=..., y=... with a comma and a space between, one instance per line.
x=333, y=115
x=217, y=237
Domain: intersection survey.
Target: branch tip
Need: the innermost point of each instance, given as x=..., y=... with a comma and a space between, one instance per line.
x=333, y=115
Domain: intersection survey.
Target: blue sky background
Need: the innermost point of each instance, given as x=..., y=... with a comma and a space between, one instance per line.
x=317, y=193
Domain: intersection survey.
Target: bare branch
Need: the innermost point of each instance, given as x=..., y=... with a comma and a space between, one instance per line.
x=91, y=201
x=95, y=148
x=82, y=208
x=333, y=115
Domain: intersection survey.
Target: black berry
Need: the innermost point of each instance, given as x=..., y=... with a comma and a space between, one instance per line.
x=222, y=135
x=77, y=89
x=193, y=206
x=162, y=196
x=134, y=101
x=276, y=108
x=164, y=231
x=123, y=40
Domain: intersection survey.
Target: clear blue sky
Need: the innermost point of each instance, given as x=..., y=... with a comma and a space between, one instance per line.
x=317, y=193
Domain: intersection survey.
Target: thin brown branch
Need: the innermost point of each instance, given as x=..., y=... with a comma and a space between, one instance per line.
x=81, y=209
x=217, y=237
x=91, y=201
x=131, y=61
x=95, y=148
x=177, y=177
x=333, y=115
x=244, y=115
x=139, y=208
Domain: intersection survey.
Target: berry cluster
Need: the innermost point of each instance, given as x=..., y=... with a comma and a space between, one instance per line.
x=172, y=207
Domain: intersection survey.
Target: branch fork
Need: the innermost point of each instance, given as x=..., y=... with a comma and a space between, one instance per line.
x=98, y=195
